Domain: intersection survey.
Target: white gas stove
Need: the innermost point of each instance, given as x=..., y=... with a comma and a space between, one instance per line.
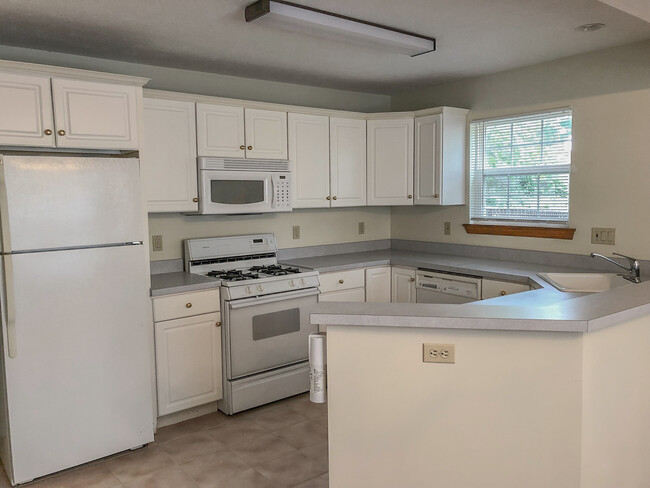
x=265, y=314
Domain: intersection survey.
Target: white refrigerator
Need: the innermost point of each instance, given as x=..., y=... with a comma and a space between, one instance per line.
x=76, y=379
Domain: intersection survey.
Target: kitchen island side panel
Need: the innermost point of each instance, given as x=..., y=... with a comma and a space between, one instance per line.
x=507, y=414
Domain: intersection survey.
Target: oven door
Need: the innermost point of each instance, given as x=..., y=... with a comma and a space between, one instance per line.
x=268, y=332
x=232, y=192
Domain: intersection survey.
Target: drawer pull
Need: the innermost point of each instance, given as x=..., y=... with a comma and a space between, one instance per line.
x=218, y=324
x=341, y=281
x=242, y=147
x=503, y=292
x=188, y=305
x=328, y=198
x=333, y=198
x=250, y=148
x=410, y=197
x=61, y=132
x=48, y=132
x=411, y=280
x=195, y=199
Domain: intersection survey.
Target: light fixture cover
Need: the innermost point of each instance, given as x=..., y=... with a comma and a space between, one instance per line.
x=380, y=35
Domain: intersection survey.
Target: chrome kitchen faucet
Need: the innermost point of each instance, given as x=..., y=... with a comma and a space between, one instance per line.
x=634, y=272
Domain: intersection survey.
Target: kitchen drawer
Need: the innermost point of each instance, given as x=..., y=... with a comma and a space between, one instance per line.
x=495, y=288
x=185, y=304
x=351, y=295
x=342, y=280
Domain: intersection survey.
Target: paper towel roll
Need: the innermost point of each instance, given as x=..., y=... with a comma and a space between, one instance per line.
x=317, y=368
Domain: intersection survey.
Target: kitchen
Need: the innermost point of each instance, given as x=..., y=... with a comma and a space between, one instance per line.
x=607, y=89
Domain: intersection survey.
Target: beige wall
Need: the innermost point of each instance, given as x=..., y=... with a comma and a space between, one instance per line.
x=317, y=226
x=610, y=94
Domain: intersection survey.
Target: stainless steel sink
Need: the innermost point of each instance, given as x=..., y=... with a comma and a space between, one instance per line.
x=584, y=282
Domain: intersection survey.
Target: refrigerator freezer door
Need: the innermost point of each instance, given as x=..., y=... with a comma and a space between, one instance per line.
x=55, y=202
x=79, y=387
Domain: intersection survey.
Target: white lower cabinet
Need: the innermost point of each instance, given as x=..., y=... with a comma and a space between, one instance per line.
x=378, y=284
x=402, y=285
x=188, y=350
x=495, y=288
x=343, y=286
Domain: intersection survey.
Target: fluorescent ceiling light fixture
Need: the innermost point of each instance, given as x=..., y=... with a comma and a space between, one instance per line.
x=381, y=35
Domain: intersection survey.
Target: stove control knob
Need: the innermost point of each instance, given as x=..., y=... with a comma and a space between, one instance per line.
x=259, y=288
x=292, y=283
x=302, y=281
x=248, y=290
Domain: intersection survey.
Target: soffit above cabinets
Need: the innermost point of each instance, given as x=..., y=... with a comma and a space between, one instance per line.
x=474, y=37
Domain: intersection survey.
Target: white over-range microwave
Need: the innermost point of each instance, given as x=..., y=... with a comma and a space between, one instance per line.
x=243, y=186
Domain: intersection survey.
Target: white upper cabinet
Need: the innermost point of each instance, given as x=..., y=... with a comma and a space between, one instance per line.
x=95, y=115
x=56, y=112
x=348, y=162
x=26, y=108
x=390, y=161
x=168, y=156
x=309, y=153
x=266, y=134
x=234, y=132
x=220, y=131
x=440, y=158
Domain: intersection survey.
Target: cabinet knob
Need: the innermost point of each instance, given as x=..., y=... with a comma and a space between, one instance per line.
x=218, y=324
x=195, y=199
x=502, y=292
x=411, y=280
x=410, y=196
x=435, y=195
x=333, y=198
x=61, y=132
x=188, y=305
x=249, y=148
x=341, y=281
x=47, y=132
x=328, y=198
x=242, y=147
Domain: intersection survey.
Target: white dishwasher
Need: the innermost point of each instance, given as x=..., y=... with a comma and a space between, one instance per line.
x=436, y=287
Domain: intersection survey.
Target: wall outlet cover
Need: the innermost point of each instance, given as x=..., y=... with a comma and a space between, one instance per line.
x=603, y=235
x=447, y=228
x=362, y=227
x=296, y=232
x=439, y=353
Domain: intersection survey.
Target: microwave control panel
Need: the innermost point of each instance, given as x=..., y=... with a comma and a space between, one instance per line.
x=282, y=192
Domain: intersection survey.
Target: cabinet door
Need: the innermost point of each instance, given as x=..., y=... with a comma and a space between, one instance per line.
x=351, y=295
x=390, y=162
x=402, y=285
x=309, y=153
x=220, y=131
x=428, y=155
x=495, y=288
x=95, y=115
x=188, y=362
x=348, y=162
x=378, y=284
x=266, y=134
x=168, y=156
x=29, y=101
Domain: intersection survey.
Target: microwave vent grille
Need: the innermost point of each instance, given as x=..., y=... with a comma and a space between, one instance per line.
x=243, y=164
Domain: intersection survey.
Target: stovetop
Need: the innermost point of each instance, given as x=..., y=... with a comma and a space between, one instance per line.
x=253, y=273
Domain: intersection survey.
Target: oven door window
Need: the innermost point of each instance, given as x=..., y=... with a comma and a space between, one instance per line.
x=237, y=192
x=276, y=324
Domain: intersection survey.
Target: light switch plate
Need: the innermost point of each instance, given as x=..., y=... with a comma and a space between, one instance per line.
x=296, y=232
x=447, y=228
x=362, y=227
x=603, y=235
x=157, y=243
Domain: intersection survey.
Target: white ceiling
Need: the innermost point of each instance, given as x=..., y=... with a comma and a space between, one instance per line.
x=474, y=37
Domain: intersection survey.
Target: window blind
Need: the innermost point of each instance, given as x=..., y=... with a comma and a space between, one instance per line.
x=519, y=168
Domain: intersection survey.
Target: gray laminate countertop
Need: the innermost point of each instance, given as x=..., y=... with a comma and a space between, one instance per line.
x=542, y=309
x=180, y=282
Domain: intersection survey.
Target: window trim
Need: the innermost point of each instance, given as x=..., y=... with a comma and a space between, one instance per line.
x=514, y=227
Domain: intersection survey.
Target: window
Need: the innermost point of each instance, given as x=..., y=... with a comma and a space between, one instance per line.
x=519, y=169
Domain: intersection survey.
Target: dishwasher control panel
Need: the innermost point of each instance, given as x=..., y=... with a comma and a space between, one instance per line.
x=450, y=284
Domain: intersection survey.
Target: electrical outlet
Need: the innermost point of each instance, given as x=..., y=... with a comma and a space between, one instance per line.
x=447, y=228
x=362, y=227
x=157, y=243
x=439, y=353
x=603, y=235
x=296, y=232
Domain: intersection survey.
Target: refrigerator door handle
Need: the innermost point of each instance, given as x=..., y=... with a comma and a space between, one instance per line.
x=10, y=310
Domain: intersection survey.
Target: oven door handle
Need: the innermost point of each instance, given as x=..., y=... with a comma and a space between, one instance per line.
x=277, y=297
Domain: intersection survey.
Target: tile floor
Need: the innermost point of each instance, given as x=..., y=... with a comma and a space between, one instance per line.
x=280, y=445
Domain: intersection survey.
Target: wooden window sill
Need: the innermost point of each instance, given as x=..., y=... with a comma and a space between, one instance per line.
x=520, y=231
